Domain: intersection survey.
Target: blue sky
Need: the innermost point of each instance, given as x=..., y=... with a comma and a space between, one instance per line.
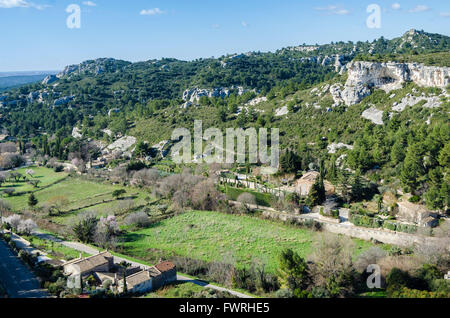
x=34, y=35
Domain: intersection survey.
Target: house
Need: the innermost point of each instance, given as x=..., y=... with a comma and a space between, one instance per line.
x=305, y=183
x=102, y=262
x=103, y=269
x=142, y=281
x=168, y=271
x=416, y=214
x=149, y=279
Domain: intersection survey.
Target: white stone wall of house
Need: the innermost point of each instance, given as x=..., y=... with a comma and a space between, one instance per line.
x=143, y=287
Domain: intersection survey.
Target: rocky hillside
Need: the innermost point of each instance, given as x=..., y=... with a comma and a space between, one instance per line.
x=362, y=76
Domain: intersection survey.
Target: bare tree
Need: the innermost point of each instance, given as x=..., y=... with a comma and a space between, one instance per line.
x=13, y=221
x=371, y=256
x=146, y=177
x=333, y=268
x=139, y=219
x=26, y=226
x=247, y=200
x=205, y=196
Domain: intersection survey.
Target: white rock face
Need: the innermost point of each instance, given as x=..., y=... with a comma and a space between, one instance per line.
x=374, y=115
x=63, y=100
x=388, y=76
x=122, y=144
x=193, y=95
x=408, y=101
x=333, y=148
x=257, y=100
x=49, y=79
x=349, y=95
x=282, y=111
x=76, y=132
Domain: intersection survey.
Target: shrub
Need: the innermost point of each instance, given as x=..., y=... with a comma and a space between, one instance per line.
x=57, y=287
x=139, y=219
x=407, y=228
x=85, y=228
x=414, y=199
x=118, y=193
x=58, y=168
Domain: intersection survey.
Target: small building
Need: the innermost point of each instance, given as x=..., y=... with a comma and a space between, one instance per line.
x=168, y=271
x=149, y=279
x=416, y=214
x=102, y=262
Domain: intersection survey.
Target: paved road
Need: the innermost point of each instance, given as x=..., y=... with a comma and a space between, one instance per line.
x=16, y=277
x=89, y=250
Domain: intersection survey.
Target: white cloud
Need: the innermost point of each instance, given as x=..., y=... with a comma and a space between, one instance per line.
x=445, y=14
x=420, y=8
x=7, y=4
x=396, y=6
x=155, y=11
x=333, y=10
x=89, y=3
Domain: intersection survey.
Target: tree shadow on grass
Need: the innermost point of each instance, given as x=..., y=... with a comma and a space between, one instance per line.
x=132, y=237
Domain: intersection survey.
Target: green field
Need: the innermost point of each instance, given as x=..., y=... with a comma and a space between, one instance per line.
x=44, y=175
x=213, y=236
x=79, y=195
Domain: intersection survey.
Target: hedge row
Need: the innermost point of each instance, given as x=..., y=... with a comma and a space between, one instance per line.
x=366, y=221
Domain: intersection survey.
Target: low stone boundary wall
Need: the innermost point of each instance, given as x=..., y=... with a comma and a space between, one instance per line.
x=381, y=235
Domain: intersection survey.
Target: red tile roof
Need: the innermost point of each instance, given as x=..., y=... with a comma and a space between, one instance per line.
x=165, y=266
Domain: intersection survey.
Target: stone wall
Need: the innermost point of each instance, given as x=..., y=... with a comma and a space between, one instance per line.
x=381, y=235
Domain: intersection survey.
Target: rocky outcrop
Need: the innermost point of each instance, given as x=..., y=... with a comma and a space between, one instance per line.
x=374, y=115
x=76, y=132
x=94, y=67
x=334, y=147
x=193, y=95
x=49, y=79
x=410, y=100
x=386, y=76
x=282, y=111
x=121, y=145
x=63, y=100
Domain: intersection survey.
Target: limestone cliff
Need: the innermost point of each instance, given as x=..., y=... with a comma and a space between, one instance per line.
x=386, y=76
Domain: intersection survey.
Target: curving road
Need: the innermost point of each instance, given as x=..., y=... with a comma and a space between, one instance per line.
x=17, y=279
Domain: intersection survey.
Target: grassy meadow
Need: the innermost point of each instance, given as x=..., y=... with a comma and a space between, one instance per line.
x=45, y=176
x=76, y=195
x=213, y=236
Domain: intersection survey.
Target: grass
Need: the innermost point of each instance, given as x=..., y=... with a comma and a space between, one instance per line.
x=80, y=195
x=213, y=236
x=381, y=293
x=182, y=290
x=55, y=250
x=263, y=199
x=44, y=175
